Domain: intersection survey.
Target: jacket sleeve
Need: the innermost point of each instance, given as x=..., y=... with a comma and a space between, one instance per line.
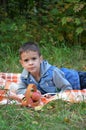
x=21, y=88
x=60, y=81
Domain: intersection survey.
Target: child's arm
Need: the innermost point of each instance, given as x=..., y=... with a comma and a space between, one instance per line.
x=21, y=88
x=60, y=81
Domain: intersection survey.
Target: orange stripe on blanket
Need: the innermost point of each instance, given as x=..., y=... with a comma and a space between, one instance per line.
x=9, y=77
x=13, y=77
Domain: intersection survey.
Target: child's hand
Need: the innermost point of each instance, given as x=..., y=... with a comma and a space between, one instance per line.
x=47, y=95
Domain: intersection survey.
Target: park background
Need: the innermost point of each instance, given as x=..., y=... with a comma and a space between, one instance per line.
x=59, y=27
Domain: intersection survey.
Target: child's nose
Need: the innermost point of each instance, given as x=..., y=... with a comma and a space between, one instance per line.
x=30, y=62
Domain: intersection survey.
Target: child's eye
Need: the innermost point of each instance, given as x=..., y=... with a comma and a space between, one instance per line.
x=26, y=60
x=33, y=58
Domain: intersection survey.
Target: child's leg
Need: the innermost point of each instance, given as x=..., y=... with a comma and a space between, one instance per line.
x=82, y=76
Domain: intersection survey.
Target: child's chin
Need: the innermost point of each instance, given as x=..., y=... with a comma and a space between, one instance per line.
x=32, y=72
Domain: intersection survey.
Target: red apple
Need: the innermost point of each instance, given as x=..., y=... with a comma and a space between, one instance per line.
x=36, y=96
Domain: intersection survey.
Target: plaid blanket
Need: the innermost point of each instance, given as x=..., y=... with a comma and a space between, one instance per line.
x=6, y=79
x=11, y=77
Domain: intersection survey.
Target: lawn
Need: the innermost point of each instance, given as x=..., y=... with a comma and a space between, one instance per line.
x=57, y=115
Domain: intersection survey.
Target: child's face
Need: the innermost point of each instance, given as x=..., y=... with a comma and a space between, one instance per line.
x=31, y=62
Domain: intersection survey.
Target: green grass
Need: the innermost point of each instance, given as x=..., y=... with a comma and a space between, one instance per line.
x=57, y=115
x=73, y=57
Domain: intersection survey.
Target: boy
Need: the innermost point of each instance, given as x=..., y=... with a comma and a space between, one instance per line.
x=47, y=78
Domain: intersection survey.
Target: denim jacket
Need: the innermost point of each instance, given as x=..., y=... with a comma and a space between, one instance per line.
x=52, y=80
x=72, y=76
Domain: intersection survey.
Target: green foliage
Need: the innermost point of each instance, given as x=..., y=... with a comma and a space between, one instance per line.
x=55, y=22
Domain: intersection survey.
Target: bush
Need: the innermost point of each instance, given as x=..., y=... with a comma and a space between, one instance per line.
x=55, y=22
